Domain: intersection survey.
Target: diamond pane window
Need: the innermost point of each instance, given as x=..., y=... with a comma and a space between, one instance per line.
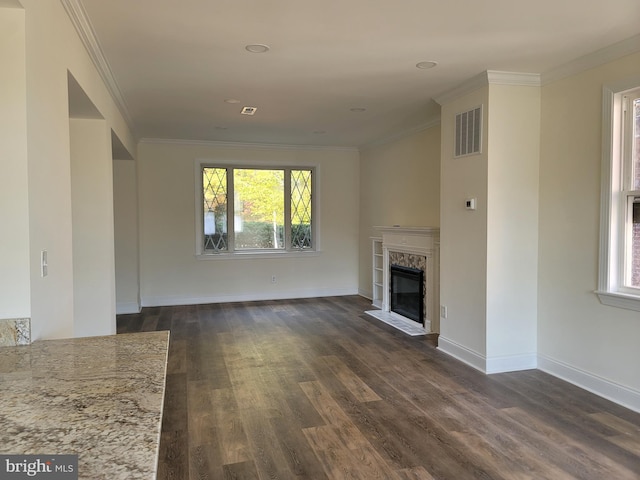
x=301, y=209
x=255, y=210
x=215, y=209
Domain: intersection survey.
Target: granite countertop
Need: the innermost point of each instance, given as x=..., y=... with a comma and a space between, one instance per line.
x=98, y=397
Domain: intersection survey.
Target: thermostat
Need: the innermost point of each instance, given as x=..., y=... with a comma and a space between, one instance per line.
x=470, y=204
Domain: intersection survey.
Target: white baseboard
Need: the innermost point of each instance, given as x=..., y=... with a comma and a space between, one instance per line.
x=511, y=363
x=471, y=358
x=365, y=293
x=488, y=365
x=163, y=301
x=127, y=308
x=627, y=397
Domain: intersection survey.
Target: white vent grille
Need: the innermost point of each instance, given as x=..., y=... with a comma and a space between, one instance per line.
x=248, y=110
x=468, y=132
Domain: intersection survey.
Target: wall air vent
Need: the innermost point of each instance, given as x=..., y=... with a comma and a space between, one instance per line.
x=248, y=110
x=468, y=135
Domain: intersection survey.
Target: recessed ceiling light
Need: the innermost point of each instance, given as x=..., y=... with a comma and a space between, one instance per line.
x=358, y=109
x=426, y=65
x=232, y=100
x=257, y=48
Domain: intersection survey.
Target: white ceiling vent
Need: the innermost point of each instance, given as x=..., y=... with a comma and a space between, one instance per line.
x=468, y=132
x=248, y=110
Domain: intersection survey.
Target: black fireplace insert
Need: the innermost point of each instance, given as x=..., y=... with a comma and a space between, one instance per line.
x=407, y=292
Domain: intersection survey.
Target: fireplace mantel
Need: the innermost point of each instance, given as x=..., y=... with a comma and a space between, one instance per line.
x=423, y=241
x=418, y=240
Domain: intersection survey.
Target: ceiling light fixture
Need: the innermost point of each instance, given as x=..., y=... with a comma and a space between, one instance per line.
x=426, y=65
x=358, y=109
x=257, y=48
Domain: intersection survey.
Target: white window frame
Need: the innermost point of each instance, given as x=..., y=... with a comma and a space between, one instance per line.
x=614, y=218
x=201, y=254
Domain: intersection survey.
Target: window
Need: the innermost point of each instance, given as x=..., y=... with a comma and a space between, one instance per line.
x=254, y=210
x=632, y=192
x=619, y=282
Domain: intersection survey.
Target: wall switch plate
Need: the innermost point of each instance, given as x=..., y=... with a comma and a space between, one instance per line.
x=444, y=311
x=470, y=204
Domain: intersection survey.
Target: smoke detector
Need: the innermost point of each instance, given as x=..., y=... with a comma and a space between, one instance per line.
x=248, y=110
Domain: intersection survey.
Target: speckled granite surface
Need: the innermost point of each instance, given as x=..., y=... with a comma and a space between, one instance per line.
x=15, y=331
x=98, y=397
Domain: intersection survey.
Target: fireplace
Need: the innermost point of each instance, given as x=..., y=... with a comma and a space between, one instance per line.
x=407, y=292
x=416, y=250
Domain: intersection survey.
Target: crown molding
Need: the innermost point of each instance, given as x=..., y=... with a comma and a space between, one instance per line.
x=496, y=77
x=81, y=23
x=469, y=85
x=405, y=133
x=599, y=57
x=261, y=146
x=493, y=77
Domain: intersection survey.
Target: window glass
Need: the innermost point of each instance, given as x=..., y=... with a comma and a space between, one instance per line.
x=258, y=209
x=634, y=247
x=301, y=209
x=635, y=244
x=636, y=144
x=215, y=208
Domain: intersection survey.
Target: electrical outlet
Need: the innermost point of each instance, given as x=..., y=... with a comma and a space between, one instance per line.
x=444, y=311
x=470, y=204
x=273, y=279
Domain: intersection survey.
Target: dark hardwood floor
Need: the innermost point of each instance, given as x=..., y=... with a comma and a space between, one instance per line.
x=316, y=389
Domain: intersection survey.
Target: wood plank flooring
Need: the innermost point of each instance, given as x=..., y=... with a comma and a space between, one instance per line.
x=316, y=389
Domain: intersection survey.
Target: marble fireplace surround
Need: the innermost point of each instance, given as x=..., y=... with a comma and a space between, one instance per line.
x=417, y=247
x=15, y=331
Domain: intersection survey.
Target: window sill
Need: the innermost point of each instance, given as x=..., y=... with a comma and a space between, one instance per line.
x=255, y=255
x=619, y=300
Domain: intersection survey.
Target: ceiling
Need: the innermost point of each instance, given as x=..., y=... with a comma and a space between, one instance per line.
x=176, y=62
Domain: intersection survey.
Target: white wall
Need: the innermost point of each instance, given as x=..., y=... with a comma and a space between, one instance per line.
x=512, y=226
x=94, y=309
x=399, y=185
x=588, y=343
x=463, y=237
x=489, y=256
x=170, y=273
x=14, y=187
x=52, y=49
x=125, y=205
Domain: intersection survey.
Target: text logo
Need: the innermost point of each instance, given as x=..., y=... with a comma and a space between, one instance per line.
x=50, y=467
